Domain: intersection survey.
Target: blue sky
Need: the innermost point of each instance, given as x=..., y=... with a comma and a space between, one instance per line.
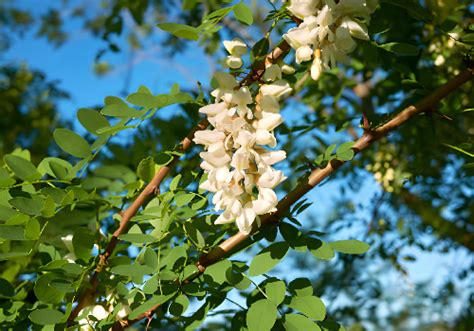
x=72, y=65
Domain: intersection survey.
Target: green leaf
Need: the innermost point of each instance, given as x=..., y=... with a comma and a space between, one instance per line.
x=268, y=258
x=46, y=316
x=176, y=258
x=62, y=285
x=275, y=291
x=72, y=143
x=180, y=30
x=148, y=305
x=350, y=246
x=132, y=270
x=146, y=169
x=44, y=292
x=32, y=229
x=260, y=48
x=121, y=111
x=6, y=289
x=183, y=199
x=12, y=232
x=243, y=13
x=311, y=306
x=138, y=238
x=218, y=271
x=179, y=305
x=328, y=152
x=55, y=167
x=174, y=183
x=194, y=235
x=83, y=241
x=92, y=120
x=261, y=315
x=301, y=287
x=22, y=168
x=320, y=249
x=296, y=322
x=150, y=259
x=144, y=100
x=402, y=49
x=345, y=151
x=5, y=178
x=27, y=206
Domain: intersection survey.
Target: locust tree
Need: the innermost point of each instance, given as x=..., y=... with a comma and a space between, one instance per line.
x=166, y=230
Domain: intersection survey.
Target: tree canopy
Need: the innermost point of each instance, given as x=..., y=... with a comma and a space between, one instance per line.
x=331, y=148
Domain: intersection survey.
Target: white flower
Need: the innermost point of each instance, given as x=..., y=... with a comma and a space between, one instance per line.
x=246, y=218
x=273, y=157
x=217, y=158
x=269, y=104
x=299, y=36
x=124, y=311
x=266, y=202
x=303, y=54
x=324, y=21
x=264, y=137
x=357, y=30
x=316, y=68
x=226, y=83
x=272, y=73
x=241, y=98
x=208, y=137
x=213, y=109
x=344, y=40
x=269, y=121
x=303, y=8
x=270, y=178
x=234, y=62
x=287, y=69
x=235, y=47
x=278, y=89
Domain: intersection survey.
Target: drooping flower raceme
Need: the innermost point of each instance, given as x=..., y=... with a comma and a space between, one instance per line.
x=237, y=159
x=327, y=31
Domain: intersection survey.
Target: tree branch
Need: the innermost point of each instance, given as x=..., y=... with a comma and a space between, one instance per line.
x=318, y=175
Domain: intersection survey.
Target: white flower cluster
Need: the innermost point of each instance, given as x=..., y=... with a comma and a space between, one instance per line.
x=327, y=31
x=238, y=164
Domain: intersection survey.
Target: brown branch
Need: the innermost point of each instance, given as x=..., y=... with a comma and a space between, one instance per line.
x=153, y=187
x=318, y=175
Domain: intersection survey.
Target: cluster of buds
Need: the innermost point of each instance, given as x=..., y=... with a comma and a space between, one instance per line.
x=326, y=32
x=237, y=158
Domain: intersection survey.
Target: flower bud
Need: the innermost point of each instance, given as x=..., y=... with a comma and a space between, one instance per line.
x=234, y=62
x=235, y=47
